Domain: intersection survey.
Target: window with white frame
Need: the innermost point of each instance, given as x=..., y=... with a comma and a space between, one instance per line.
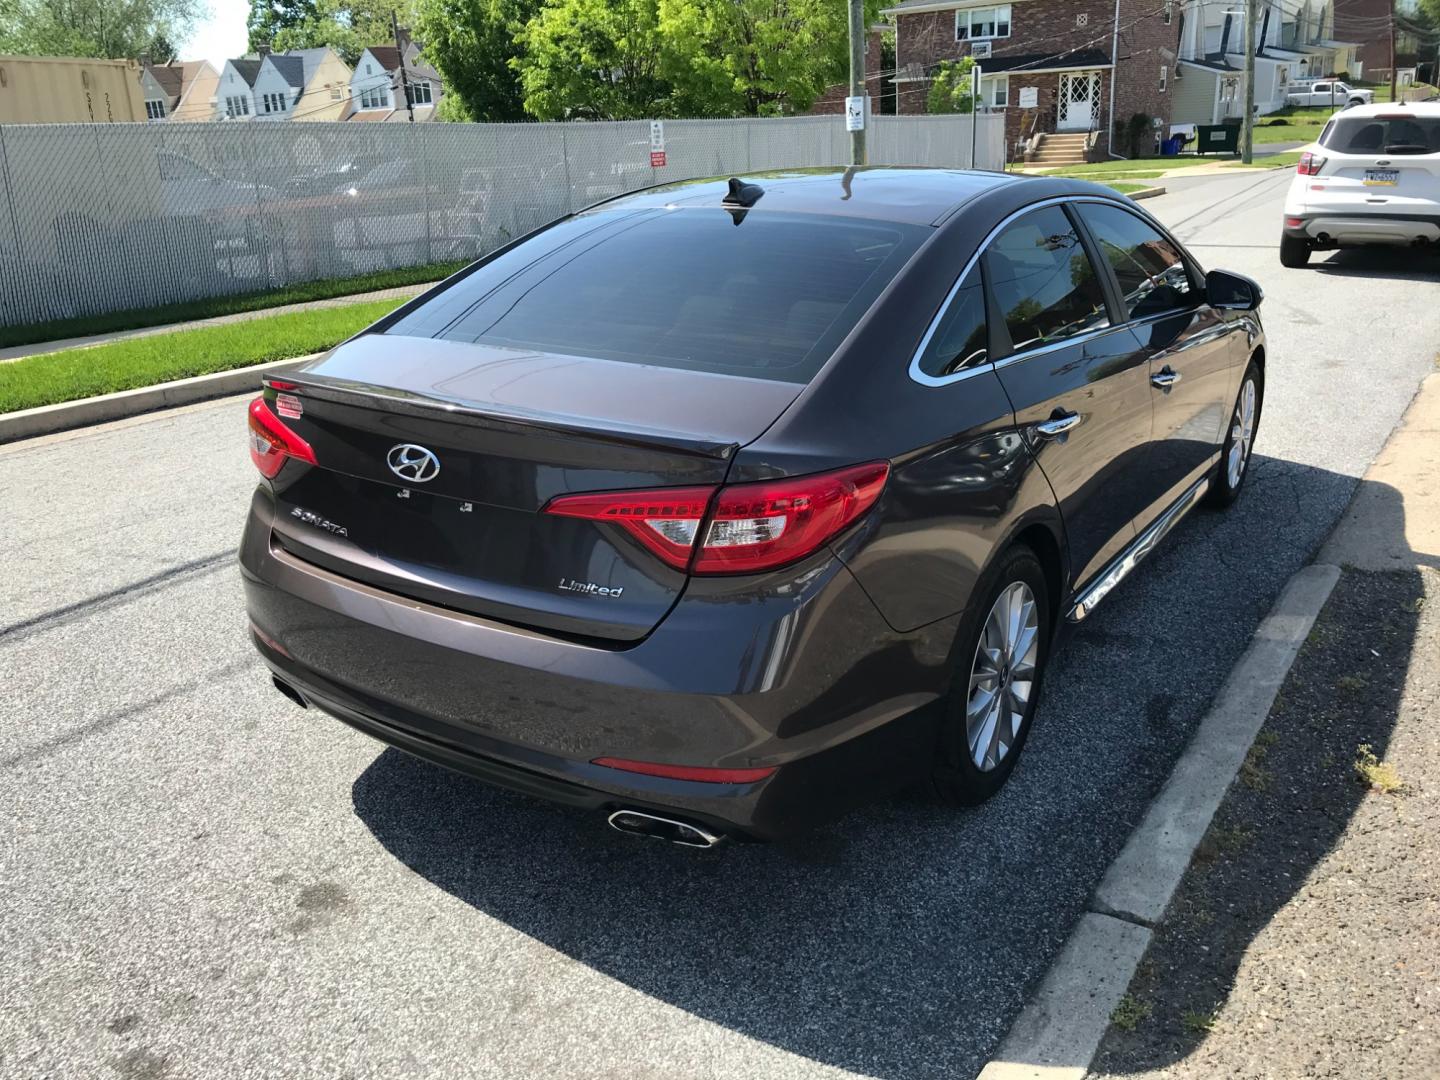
x=418, y=92
x=237, y=105
x=275, y=103
x=155, y=110
x=995, y=91
x=1167, y=12
x=1164, y=78
x=375, y=97
x=978, y=24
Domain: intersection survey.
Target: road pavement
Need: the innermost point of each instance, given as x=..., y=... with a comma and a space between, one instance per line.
x=197, y=879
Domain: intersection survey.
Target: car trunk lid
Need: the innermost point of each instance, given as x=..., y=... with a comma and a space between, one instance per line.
x=508, y=430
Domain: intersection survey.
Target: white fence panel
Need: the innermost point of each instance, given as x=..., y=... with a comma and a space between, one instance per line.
x=110, y=217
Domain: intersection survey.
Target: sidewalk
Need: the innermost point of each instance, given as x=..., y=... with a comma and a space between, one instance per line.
x=1304, y=940
x=19, y=352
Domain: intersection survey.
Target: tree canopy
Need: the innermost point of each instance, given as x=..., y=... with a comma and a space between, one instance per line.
x=347, y=26
x=110, y=29
x=952, y=89
x=473, y=43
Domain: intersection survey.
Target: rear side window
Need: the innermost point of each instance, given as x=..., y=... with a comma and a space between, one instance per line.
x=1383, y=135
x=765, y=294
x=1148, y=266
x=959, y=340
x=1043, y=281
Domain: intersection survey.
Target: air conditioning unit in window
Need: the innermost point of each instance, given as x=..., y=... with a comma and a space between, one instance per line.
x=980, y=50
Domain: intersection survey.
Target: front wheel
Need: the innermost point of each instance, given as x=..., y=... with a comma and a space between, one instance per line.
x=1003, y=647
x=1294, y=252
x=1239, y=442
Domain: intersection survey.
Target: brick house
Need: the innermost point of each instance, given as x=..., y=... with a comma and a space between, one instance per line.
x=1367, y=23
x=877, y=81
x=1088, y=65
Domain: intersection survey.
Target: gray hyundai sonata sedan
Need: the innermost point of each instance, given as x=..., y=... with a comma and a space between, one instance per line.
x=717, y=508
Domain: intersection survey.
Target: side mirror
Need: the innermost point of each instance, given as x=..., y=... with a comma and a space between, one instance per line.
x=1232, y=292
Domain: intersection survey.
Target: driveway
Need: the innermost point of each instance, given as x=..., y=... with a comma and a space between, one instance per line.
x=199, y=880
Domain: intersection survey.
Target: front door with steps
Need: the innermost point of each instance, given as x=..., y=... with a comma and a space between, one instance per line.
x=1079, y=101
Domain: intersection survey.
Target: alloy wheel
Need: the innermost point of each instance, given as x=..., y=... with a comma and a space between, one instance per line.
x=1002, y=677
x=1242, y=433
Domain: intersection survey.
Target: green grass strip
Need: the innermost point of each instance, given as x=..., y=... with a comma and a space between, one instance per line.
x=144, y=361
x=301, y=293
x=1128, y=189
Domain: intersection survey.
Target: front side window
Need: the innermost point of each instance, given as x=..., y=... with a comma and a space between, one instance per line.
x=978, y=24
x=1151, y=272
x=960, y=339
x=1043, y=281
x=995, y=91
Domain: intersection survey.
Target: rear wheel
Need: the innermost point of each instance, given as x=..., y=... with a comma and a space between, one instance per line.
x=1294, y=252
x=1003, y=647
x=1239, y=441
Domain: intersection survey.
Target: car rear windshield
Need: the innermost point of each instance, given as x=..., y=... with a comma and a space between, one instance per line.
x=1383, y=135
x=762, y=294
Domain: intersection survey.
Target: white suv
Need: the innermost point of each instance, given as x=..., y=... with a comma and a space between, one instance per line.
x=1373, y=177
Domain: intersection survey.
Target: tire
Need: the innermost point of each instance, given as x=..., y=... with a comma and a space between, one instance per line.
x=957, y=778
x=1230, y=473
x=1294, y=252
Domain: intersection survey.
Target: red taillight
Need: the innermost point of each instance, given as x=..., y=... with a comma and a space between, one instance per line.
x=752, y=526
x=1294, y=222
x=686, y=772
x=271, y=442
x=1310, y=164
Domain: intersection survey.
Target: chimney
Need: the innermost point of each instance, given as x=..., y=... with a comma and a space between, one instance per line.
x=402, y=39
x=263, y=50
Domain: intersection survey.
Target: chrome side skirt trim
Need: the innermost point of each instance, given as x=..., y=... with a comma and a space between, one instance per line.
x=1135, y=554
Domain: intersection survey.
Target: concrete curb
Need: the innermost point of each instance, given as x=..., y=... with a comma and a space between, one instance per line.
x=48, y=419
x=1058, y=1031
x=1147, y=193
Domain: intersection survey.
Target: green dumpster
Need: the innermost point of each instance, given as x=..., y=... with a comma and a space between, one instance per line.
x=1217, y=139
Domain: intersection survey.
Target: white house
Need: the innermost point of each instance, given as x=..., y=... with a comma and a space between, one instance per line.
x=1294, y=41
x=235, y=96
x=378, y=85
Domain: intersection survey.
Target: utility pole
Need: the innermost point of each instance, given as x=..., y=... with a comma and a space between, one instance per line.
x=1247, y=131
x=404, y=79
x=1394, y=60
x=857, y=75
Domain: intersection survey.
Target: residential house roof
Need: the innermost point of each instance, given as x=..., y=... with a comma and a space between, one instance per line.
x=171, y=80
x=1079, y=59
x=247, y=69
x=909, y=7
x=387, y=56
x=291, y=69
x=310, y=60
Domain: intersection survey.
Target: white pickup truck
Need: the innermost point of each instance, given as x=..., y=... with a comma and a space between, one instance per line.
x=1329, y=92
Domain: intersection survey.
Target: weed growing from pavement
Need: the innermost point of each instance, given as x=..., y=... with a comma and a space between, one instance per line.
x=1378, y=775
x=1198, y=1023
x=1351, y=684
x=1129, y=1013
x=1252, y=771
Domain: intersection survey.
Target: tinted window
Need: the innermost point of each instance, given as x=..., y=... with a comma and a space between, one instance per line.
x=770, y=297
x=1379, y=135
x=1152, y=275
x=1043, y=281
x=959, y=339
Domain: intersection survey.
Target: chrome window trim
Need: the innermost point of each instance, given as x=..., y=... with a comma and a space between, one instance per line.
x=990, y=365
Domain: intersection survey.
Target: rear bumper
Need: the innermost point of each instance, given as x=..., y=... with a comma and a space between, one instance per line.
x=1341, y=228
x=797, y=672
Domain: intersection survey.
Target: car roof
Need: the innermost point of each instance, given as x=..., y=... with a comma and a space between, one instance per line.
x=916, y=196
x=1392, y=110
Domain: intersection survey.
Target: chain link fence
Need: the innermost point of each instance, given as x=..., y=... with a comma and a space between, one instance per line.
x=96, y=218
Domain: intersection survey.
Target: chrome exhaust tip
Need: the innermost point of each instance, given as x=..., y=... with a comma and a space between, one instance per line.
x=640, y=823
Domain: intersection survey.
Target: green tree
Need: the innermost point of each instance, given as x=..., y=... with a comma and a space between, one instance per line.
x=950, y=90
x=594, y=60
x=473, y=45
x=110, y=29
x=347, y=26
x=754, y=57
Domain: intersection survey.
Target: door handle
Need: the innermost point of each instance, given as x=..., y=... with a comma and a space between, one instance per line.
x=1058, y=424
x=1165, y=379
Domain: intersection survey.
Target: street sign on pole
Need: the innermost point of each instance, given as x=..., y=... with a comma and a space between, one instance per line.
x=657, y=144
x=855, y=113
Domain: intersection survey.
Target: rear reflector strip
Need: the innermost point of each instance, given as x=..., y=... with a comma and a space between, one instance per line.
x=686, y=772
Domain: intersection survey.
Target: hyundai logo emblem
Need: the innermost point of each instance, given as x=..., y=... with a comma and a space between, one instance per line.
x=413, y=463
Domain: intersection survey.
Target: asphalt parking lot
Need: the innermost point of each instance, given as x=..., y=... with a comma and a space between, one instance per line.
x=197, y=879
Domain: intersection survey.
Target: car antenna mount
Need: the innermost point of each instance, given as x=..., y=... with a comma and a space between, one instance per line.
x=742, y=194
